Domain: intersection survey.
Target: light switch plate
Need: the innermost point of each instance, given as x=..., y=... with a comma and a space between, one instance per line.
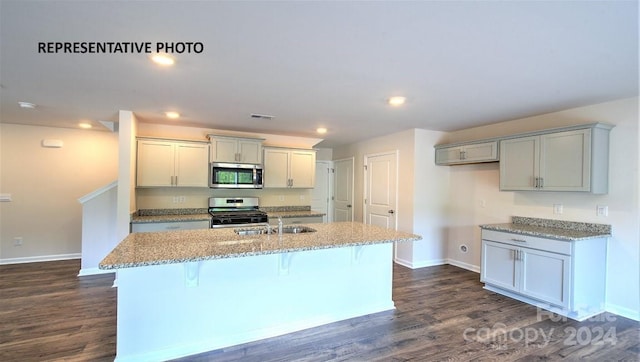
x=557, y=209
x=602, y=210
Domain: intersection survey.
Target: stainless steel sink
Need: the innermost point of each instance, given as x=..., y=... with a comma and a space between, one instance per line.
x=295, y=229
x=252, y=231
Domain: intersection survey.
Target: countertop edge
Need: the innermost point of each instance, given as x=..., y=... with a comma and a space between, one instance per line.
x=549, y=234
x=242, y=255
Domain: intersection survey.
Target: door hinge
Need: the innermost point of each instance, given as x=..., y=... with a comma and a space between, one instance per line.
x=333, y=170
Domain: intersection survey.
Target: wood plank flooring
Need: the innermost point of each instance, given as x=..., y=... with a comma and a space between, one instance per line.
x=442, y=313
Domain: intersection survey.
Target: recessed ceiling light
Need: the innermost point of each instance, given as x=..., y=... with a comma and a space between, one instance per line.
x=163, y=59
x=85, y=125
x=27, y=105
x=172, y=115
x=321, y=130
x=397, y=101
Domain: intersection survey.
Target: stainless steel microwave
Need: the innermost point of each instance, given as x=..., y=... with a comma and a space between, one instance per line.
x=235, y=176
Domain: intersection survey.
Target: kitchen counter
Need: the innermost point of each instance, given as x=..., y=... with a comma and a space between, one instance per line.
x=200, y=214
x=166, y=247
x=553, y=229
x=186, y=292
x=294, y=213
x=137, y=219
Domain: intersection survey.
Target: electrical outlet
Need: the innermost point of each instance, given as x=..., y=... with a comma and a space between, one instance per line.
x=182, y=199
x=280, y=198
x=17, y=241
x=302, y=197
x=557, y=209
x=175, y=199
x=602, y=210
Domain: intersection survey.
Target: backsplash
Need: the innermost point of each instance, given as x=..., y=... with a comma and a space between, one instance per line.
x=184, y=198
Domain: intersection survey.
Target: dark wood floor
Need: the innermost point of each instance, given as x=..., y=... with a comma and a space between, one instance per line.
x=442, y=313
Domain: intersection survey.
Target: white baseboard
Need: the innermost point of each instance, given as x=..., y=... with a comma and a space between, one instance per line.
x=434, y=262
x=94, y=271
x=623, y=312
x=420, y=264
x=41, y=258
x=467, y=266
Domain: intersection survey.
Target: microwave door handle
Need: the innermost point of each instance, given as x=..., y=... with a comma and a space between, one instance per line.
x=255, y=177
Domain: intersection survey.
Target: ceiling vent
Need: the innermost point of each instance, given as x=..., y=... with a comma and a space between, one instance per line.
x=261, y=116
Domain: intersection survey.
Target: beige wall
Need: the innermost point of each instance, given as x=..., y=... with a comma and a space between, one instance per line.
x=470, y=185
x=45, y=184
x=421, y=191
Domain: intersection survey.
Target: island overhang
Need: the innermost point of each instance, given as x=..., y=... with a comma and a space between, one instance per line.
x=185, y=292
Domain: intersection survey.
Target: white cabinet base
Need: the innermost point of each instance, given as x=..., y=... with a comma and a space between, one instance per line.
x=579, y=315
x=566, y=277
x=175, y=310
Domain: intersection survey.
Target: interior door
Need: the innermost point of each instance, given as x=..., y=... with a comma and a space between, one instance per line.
x=343, y=190
x=320, y=195
x=381, y=190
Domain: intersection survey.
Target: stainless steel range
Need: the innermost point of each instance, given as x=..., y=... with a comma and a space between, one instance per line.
x=234, y=211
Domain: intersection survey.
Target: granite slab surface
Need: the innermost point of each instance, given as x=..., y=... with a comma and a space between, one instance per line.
x=553, y=229
x=170, y=247
x=293, y=213
x=143, y=219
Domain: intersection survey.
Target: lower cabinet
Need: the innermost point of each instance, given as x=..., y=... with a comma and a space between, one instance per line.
x=169, y=226
x=565, y=277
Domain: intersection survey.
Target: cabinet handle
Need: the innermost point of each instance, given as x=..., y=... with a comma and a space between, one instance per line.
x=173, y=227
x=291, y=184
x=519, y=240
x=516, y=254
x=176, y=180
x=536, y=180
x=541, y=182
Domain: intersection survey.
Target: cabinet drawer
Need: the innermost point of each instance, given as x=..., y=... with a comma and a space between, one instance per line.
x=533, y=242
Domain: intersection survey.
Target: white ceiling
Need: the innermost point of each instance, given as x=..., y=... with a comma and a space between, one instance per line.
x=311, y=64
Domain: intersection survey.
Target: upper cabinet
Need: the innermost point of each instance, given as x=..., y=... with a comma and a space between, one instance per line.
x=289, y=168
x=234, y=149
x=467, y=153
x=572, y=160
x=165, y=163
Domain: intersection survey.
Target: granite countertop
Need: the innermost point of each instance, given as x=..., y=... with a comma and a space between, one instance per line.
x=169, y=247
x=553, y=229
x=143, y=219
x=294, y=213
x=201, y=214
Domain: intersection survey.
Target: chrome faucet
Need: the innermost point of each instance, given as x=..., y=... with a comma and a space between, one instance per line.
x=279, y=226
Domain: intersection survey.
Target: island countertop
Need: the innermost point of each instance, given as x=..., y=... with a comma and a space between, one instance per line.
x=169, y=247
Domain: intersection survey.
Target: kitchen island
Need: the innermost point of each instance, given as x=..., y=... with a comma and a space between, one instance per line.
x=191, y=291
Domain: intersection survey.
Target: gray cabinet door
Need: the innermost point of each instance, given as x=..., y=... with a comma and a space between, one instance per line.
x=519, y=163
x=565, y=161
x=546, y=276
x=499, y=266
